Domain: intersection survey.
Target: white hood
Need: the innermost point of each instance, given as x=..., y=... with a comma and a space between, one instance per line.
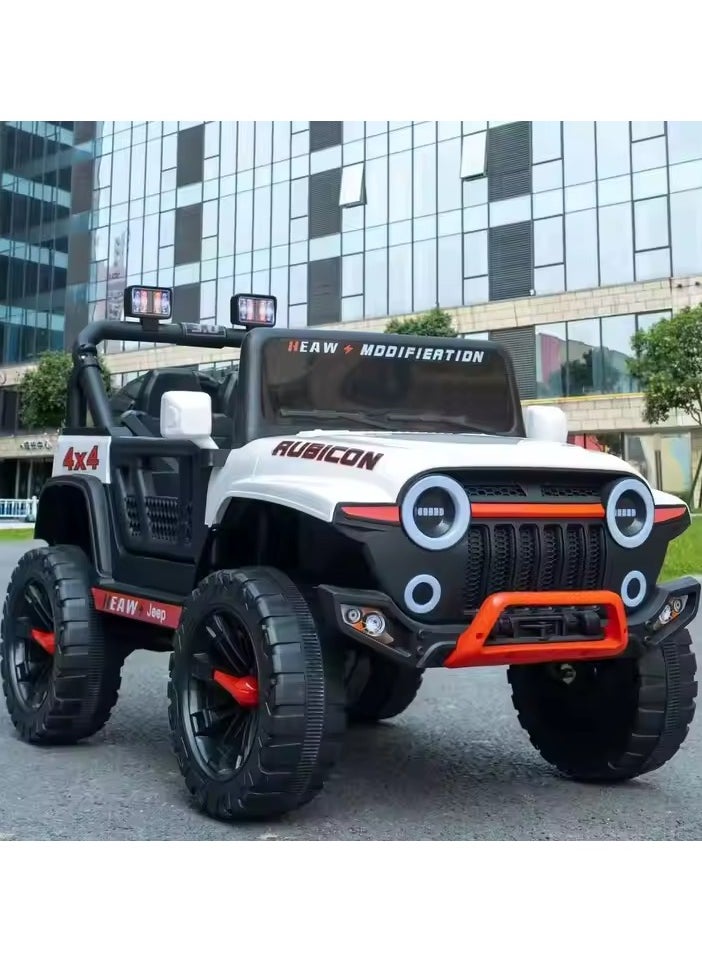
x=273, y=469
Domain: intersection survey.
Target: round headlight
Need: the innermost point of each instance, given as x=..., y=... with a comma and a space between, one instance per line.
x=436, y=512
x=630, y=512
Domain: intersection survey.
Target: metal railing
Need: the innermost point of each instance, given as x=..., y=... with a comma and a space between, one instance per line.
x=18, y=509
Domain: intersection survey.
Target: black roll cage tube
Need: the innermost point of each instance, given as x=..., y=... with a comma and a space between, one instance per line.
x=86, y=388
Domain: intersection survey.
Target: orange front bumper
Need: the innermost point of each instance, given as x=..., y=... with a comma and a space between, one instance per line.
x=472, y=651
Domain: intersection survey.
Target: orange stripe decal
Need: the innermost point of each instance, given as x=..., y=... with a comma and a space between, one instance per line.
x=517, y=510
x=389, y=513
x=669, y=514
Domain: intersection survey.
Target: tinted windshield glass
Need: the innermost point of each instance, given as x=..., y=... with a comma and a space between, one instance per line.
x=386, y=385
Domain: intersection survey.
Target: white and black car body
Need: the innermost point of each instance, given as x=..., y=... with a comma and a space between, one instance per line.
x=404, y=527
x=340, y=513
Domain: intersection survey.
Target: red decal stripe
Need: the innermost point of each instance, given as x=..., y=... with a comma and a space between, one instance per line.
x=669, y=514
x=389, y=513
x=517, y=510
x=46, y=639
x=138, y=609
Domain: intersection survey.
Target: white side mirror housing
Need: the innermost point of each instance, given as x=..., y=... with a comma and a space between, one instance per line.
x=187, y=416
x=546, y=423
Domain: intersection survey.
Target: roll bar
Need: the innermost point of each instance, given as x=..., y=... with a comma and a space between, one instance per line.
x=86, y=388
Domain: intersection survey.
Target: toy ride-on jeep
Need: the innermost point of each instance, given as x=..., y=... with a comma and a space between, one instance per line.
x=340, y=513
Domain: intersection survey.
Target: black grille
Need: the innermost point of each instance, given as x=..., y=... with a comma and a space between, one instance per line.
x=533, y=557
x=570, y=490
x=164, y=518
x=494, y=491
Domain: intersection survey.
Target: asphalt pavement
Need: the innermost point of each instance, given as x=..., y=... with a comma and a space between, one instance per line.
x=456, y=765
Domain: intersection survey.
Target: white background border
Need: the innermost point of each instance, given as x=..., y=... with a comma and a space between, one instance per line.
x=365, y=902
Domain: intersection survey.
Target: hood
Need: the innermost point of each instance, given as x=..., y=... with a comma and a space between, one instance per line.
x=423, y=451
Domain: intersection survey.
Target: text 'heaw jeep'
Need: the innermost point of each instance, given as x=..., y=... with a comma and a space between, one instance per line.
x=309, y=535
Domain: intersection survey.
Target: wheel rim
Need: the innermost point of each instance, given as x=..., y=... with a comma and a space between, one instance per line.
x=221, y=694
x=30, y=646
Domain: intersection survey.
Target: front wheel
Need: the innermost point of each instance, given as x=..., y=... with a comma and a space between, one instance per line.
x=256, y=706
x=613, y=719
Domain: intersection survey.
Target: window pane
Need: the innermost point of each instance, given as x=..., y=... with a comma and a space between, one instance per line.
x=352, y=186
x=449, y=175
x=612, y=148
x=262, y=218
x=424, y=133
x=400, y=279
x=550, y=360
x=264, y=142
x=424, y=275
x=616, y=245
x=245, y=155
x=424, y=181
x=400, y=186
x=354, y=130
x=299, y=191
x=548, y=241
x=578, y=152
x=581, y=250
x=617, y=333
x=450, y=272
x=352, y=308
x=648, y=154
x=376, y=283
x=475, y=193
x=425, y=227
x=650, y=183
x=640, y=129
x=512, y=211
x=686, y=176
x=244, y=222
x=580, y=197
x=400, y=139
x=352, y=275
x=401, y=232
x=281, y=214
x=376, y=177
x=376, y=146
x=476, y=290
x=684, y=141
x=210, y=226
x=547, y=176
x=227, y=150
x=281, y=140
x=651, y=223
x=325, y=159
x=686, y=230
x=584, y=359
x=475, y=218
x=474, y=155
x=377, y=237
x=549, y=280
x=475, y=252
x=616, y=190
x=298, y=284
x=653, y=265
x=299, y=229
x=545, y=140
x=548, y=203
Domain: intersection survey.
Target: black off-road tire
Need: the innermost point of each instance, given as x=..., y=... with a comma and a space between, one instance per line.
x=81, y=680
x=377, y=688
x=297, y=727
x=618, y=719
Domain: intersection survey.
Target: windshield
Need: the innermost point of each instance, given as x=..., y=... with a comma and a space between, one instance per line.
x=386, y=386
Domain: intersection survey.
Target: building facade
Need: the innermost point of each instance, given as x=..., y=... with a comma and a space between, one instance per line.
x=558, y=239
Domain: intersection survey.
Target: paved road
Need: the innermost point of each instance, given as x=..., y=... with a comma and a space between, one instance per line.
x=455, y=766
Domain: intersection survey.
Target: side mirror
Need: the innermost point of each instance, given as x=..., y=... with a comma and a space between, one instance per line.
x=187, y=416
x=546, y=423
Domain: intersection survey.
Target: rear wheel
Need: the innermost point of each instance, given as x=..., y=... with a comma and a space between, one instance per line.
x=256, y=706
x=377, y=688
x=59, y=676
x=609, y=720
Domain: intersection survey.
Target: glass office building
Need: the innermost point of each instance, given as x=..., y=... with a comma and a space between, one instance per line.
x=559, y=239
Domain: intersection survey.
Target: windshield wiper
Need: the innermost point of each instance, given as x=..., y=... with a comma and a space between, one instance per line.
x=455, y=419
x=318, y=414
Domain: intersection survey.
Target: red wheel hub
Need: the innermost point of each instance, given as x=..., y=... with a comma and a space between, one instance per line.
x=244, y=689
x=46, y=639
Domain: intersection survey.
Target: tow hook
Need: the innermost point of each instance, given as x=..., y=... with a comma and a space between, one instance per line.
x=567, y=674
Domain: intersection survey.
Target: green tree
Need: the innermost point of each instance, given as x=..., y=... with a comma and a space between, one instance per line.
x=667, y=363
x=434, y=323
x=43, y=391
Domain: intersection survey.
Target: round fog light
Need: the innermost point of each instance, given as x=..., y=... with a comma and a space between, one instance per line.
x=665, y=615
x=374, y=624
x=352, y=616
